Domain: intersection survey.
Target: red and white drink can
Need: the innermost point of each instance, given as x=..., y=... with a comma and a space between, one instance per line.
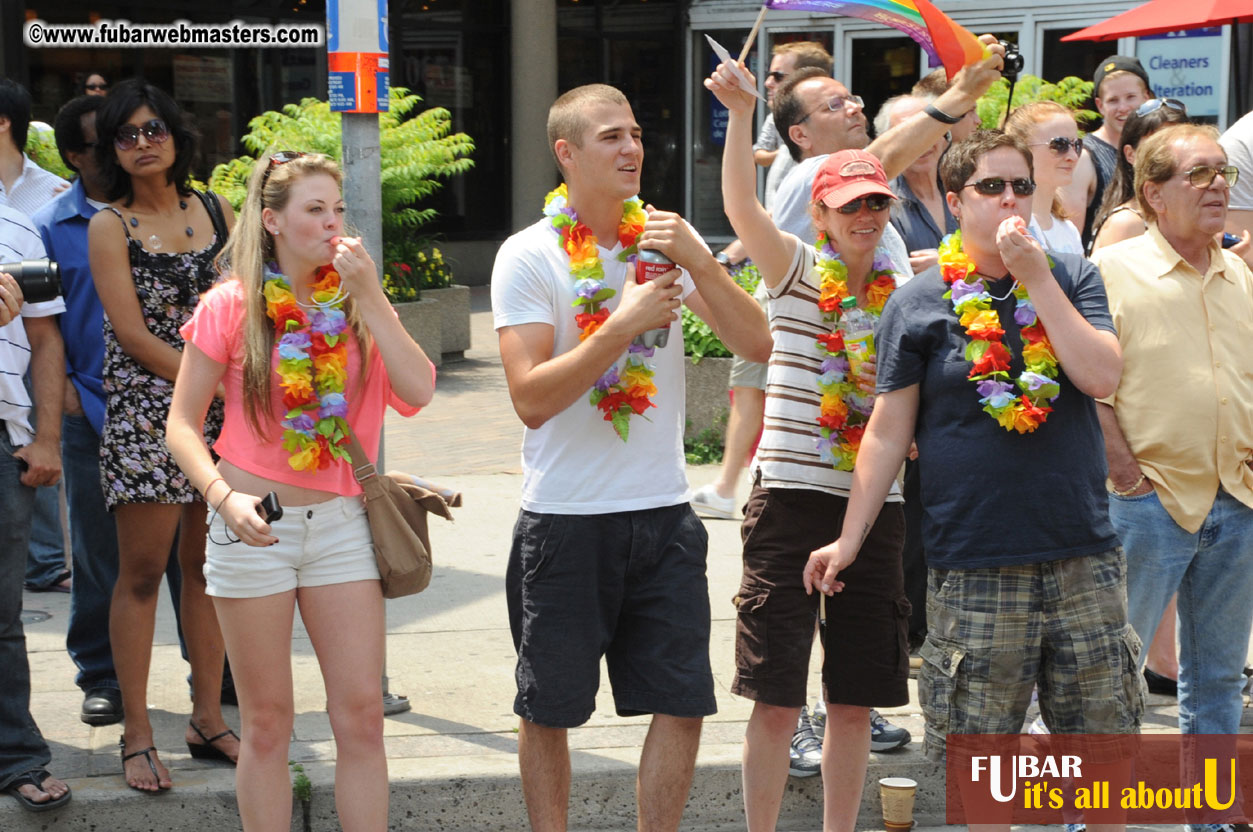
x=650, y=265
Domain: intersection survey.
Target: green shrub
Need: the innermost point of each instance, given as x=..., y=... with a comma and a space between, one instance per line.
x=42, y=149
x=699, y=339
x=418, y=151
x=1070, y=92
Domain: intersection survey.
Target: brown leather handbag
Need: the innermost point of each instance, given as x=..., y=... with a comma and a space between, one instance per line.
x=396, y=505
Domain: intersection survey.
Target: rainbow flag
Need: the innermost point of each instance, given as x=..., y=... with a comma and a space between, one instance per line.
x=943, y=40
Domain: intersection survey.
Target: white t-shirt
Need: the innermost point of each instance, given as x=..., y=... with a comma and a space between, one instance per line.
x=33, y=189
x=575, y=463
x=791, y=213
x=19, y=241
x=1062, y=236
x=1238, y=142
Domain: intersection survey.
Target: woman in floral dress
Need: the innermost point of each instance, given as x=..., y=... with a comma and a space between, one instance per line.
x=152, y=255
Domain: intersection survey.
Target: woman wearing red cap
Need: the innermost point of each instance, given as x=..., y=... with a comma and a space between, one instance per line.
x=819, y=396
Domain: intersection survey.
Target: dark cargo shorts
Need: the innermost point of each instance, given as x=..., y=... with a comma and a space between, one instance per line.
x=995, y=633
x=866, y=659
x=629, y=586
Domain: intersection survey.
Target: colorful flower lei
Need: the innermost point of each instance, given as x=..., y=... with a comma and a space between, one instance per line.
x=1022, y=412
x=620, y=394
x=844, y=410
x=312, y=368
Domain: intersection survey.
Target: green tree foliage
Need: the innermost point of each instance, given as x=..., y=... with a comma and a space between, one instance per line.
x=418, y=150
x=42, y=150
x=1070, y=92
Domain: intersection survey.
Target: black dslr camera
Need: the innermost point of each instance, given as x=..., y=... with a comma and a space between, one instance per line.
x=1013, y=61
x=40, y=280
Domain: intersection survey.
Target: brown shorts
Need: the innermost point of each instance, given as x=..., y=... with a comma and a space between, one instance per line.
x=866, y=662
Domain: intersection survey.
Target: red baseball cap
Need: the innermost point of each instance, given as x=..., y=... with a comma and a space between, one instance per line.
x=847, y=175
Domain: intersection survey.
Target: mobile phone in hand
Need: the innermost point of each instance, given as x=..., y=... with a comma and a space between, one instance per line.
x=1230, y=240
x=269, y=508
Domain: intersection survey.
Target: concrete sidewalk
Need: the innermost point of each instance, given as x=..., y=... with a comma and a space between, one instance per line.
x=452, y=759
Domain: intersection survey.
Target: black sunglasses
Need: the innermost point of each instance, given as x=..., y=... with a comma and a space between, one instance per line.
x=280, y=157
x=96, y=86
x=776, y=75
x=1061, y=145
x=995, y=186
x=154, y=131
x=1155, y=104
x=875, y=202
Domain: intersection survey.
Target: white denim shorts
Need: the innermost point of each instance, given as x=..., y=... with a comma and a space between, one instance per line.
x=325, y=543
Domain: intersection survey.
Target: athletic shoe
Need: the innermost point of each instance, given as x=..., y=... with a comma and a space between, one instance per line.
x=818, y=719
x=884, y=736
x=706, y=502
x=805, y=755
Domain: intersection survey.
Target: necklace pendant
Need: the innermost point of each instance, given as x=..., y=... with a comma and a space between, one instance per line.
x=134, y=222
x=154, y=243
x=182, y=203
x=189, y=231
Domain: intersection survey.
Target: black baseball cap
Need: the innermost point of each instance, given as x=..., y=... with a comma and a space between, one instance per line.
x=1119, y=63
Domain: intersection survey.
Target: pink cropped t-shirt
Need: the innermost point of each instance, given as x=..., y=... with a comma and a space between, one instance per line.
x=217, y=329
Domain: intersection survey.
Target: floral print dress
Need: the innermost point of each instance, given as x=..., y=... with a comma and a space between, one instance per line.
x=136, y=465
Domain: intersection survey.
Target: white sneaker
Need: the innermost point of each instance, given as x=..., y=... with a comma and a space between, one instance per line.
x=706, y=502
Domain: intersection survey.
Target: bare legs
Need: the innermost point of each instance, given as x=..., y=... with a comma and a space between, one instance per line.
x=345, y=624
x=747, y=409
x=845, y=750
x=145, y=533
x=662, y=786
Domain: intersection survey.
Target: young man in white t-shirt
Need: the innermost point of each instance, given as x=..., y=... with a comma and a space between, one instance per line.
x=608, y=558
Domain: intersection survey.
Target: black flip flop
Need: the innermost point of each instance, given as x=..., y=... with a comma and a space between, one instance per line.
x=147, y=755
x=36, y=778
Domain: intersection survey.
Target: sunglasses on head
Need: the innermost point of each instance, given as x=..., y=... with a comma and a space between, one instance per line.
x=1061, y=145
x=1155, y=104
x=96, y=86
x=154, y=131
x=995, y=186
x=1202, y=176
x=875, y=202
x=280, y=157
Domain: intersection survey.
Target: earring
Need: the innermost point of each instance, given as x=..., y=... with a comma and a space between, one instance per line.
x=276, y=232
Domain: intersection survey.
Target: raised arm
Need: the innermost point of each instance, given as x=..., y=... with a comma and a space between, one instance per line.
x=768, y=247
x=884, y=445
x=901, y=146
x=408, y=368
x=111, y=271
x=541, y=385
x=1091, y=357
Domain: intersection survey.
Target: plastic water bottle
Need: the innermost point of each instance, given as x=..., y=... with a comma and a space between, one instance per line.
x=858, y=328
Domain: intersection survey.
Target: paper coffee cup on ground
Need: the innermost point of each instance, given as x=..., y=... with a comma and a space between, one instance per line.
x=897, y=796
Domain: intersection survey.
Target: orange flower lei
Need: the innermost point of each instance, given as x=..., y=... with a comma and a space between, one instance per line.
x=1028, y=408
x=619, y=394
x=844, y=411
x=312, y=368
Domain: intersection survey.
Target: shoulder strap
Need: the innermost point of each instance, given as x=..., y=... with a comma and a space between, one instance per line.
x=214, y=208
x=121, y=219
x=362, y=467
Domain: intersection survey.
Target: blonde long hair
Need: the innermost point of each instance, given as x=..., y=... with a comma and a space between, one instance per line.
x=245, y=255
x=1020, y=124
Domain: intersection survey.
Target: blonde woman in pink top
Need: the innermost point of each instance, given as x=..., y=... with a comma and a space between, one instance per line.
x=301, y=343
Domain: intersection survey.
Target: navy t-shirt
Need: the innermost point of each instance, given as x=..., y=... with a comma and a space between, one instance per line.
x=992, y=497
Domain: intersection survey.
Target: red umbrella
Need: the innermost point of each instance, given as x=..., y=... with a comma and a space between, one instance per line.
x=1159, y=16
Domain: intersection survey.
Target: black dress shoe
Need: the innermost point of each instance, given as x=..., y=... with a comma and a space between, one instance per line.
x=102, y=706
x=1159, y=684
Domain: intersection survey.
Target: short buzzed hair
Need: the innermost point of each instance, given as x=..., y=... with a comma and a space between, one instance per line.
x=806, y=53
x=566, y=118
x=962, y=158
x=788, y=108
x=934, y=84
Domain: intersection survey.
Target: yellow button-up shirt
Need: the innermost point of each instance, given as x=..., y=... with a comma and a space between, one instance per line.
x=1185, y=401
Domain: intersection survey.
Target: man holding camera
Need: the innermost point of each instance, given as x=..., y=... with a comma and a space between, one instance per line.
x=29, y=338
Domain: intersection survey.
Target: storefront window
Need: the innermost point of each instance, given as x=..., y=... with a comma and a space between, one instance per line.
x=883, y=68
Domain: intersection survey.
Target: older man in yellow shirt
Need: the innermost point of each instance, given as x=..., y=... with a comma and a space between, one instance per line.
x=1179, y=429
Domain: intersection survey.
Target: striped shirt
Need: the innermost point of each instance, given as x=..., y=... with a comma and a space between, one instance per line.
x=787, y=456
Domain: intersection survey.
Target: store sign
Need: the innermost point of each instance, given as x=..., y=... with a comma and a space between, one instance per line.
x=1187, y=66
x=356, y=56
